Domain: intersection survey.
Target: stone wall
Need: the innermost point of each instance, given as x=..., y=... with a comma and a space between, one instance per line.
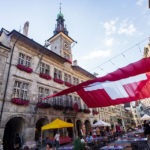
x=30, y=114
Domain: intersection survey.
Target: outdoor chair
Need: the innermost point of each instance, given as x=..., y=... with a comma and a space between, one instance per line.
x=143, y=146
x=134, y=146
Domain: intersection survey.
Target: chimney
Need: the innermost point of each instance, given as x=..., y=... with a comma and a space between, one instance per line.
x=26, y=28
x=75, y=63
x=95, y=74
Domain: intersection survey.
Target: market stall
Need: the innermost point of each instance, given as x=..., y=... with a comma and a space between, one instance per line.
x=57, y=124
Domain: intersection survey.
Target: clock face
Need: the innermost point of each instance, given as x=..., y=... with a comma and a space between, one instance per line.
x=66, y=45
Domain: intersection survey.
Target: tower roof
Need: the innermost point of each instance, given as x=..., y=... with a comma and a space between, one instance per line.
x=60, y=26
x=60, y=15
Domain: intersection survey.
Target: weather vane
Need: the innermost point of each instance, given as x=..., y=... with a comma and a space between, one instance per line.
x=60, y=6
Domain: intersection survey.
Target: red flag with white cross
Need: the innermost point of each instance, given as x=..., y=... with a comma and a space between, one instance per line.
x=130, y=83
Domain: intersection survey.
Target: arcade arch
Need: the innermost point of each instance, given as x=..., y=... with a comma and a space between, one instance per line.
x=87, y=127
x=70, y=130
x=14, y=126
x=39, y=124
x=79, y=127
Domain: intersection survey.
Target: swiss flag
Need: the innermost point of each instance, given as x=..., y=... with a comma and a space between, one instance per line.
x=124, y=85
x=116, y=92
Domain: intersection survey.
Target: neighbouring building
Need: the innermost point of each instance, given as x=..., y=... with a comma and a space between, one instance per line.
x=144, y=105
x=37, y=71
x=136, y=112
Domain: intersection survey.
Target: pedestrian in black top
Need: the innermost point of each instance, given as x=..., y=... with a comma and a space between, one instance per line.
x=17, y=142
x=146, y=128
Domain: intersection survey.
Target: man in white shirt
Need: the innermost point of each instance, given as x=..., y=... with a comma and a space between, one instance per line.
x=57, y=136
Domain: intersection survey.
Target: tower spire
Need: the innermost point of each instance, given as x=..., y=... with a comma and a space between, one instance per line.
x=60, y=27
x=60, y=6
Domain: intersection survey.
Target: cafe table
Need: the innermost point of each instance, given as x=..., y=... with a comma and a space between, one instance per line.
x=65, y=148
x=140, y=143
x=99, y=138
x=129, y=140
x=119, y=147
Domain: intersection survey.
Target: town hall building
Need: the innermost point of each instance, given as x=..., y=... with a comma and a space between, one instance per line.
x=29, y=72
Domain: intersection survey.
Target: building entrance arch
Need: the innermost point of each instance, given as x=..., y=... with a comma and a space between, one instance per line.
x=41, y=122
x=79, y=128
x=87, y=127
x=14, y=126
x=70, y=130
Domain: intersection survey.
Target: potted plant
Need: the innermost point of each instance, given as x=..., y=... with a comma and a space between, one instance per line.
x=45, y=76
x=20, y=101
x=58, y=80
x=78, y=145
x=43, y=105
x=24, y=68
x=68, y=84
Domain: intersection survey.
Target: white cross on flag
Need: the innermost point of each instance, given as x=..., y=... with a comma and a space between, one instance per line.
x=124, y=85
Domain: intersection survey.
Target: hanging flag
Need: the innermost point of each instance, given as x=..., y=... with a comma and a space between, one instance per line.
x=76, y=108
x=124, y=85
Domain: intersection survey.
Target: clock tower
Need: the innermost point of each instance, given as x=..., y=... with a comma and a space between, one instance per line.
x=60, y=42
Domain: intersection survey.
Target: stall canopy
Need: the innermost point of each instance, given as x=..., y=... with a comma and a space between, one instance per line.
x=145, y=117
x=124, y=85
x=57, y=124
x=100, y=123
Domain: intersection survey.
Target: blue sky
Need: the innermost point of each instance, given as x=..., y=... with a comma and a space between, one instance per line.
x=102, y=28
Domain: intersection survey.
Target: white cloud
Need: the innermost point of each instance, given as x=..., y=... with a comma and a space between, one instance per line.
x=110, y=26
x=109, y=41
x=139, y=2
x=117, y=26
x=126, y=28
x=97, y=53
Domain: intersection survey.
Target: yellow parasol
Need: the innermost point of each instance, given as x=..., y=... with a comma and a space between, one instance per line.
x=56, y=124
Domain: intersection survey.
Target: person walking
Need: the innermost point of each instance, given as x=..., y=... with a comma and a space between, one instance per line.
x=94, y=133
x=49, y=146
x=118, y=130
x=89, y=140
x=98, y=131
x=17, y=142
x=26, y=148
x=146, y=128
x=57, y=139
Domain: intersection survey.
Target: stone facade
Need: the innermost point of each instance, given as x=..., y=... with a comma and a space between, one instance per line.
x=29, y=115
x=27, y=119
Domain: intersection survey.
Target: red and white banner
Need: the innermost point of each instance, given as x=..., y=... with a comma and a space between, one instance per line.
x=124, y=85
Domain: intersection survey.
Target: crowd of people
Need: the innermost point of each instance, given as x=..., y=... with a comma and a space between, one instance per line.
x=18, y=145
x=89, y=140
